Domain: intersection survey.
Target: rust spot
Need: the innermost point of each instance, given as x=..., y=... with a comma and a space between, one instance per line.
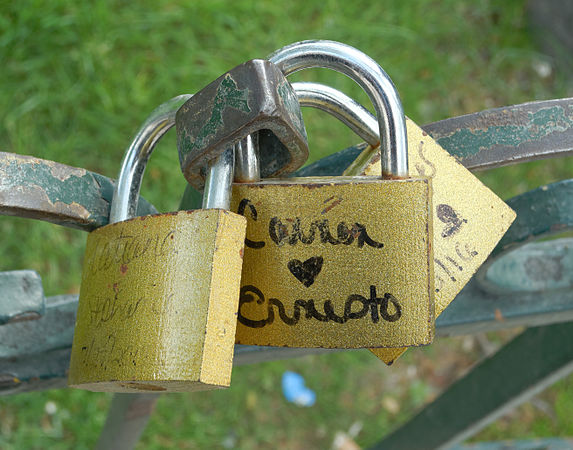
x=30, y=315
x=498, y=315
x=123, y=268
x=424, y=133
x=141, y=387
x=241, y=253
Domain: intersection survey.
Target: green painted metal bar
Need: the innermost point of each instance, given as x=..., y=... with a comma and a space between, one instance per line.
x=22, y=296
x=68, y=196
x=45, y=190
x=508, y=135
x=54, y=330
x=543, y=212
x=531, y=362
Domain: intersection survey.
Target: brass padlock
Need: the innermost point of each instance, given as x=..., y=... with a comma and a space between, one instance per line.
x=340, y=262
x=469, y=219
x=159, y=294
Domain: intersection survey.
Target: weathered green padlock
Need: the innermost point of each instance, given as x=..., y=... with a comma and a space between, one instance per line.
x=159, y=294
x=252, y=98
x=341, y=262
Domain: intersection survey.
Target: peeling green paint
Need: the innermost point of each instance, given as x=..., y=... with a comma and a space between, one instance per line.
x=228, y=96
x=73, y=189
x=466, y=142
x=61, y=194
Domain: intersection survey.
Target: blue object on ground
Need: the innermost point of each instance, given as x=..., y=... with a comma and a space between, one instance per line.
x=295, y=391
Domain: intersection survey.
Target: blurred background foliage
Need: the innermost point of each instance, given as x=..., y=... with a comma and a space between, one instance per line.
x=78, y=78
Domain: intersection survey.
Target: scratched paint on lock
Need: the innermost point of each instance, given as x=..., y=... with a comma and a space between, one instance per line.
x=228, y=96
x=158, y=303
x=336, y=263
x=469, y=219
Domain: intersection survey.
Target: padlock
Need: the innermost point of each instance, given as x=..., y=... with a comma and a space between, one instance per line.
x=159, y=294
x=252, y=98
x=342, y=262
x=469, y=219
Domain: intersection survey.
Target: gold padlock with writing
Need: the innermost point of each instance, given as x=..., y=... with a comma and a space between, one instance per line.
x=469, y=219
x=343, y=262
x=159, y=294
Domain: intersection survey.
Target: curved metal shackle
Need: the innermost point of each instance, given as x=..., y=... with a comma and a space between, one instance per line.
x=371, y=77
x=319, y=96
x=128, y=184
x=127, y=187
x=126, y=193
x=341, y=106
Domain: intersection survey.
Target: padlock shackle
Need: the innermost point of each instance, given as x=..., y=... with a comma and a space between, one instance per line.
x=217, y=191
x=128, y=184
x=319, y=96
x=341, y=106
x=127, y=187
x=371, y=77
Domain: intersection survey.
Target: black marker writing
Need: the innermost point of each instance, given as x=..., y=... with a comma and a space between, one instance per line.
x=376, y=306
x=280, y=233
x=241, y=210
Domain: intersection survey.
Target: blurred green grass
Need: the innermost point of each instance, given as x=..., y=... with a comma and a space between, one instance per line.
x=77, y=80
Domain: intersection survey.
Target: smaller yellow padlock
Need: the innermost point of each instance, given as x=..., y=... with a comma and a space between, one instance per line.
x=159, y=294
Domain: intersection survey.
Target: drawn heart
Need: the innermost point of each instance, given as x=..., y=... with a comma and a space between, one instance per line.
x=306, y=272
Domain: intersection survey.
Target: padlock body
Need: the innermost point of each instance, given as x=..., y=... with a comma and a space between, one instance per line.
x=469, y=219
x=341, y=262
x=158, y=303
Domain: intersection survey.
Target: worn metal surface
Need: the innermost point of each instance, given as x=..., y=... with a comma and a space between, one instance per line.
x=53, y=330
x=251, y=97
x=127, y=418
x=327, y=266
x=140, y=327
x=513, y=375
x=540, y=267
x=22, y=296
x=545, y=211
x=37, y=372
x=45, y=190
x=508, y=135
x=487, y=139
